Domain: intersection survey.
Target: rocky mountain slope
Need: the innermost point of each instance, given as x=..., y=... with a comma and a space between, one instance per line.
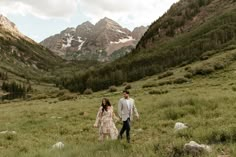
x=21, y=55
x=94, y=42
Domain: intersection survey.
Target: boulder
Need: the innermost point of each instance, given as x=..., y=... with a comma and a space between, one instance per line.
x=8, y=132
x=195, y=149
x=180, y=126
x=58, y=145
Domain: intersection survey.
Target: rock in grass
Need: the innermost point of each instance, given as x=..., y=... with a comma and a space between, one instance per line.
x=195, y=149
x=58, y=145
x=139, y=130
x=180, y=126
x=8, y=132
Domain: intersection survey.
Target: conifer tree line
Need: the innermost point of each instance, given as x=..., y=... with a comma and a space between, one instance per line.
x=15, y=88
x=3, y=76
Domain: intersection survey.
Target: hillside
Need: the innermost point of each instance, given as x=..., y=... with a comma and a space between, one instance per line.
x=191, y=30
x=22, y=56
x=94, y=42
x=24, y=59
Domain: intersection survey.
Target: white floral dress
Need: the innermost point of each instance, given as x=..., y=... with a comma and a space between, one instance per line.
x=106, y=124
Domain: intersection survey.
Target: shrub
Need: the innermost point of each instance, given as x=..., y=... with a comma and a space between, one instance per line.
x=166, y=74
x=112, y=89
x=67, y=97
x=128, y=86
x=187, y=68
x=150, y=84
x=158, y=92
x=88, y=91
x=39, y=97
x=234, y=89
x=219, y=66
x=188, y=75
x=180, y=80
x=202, y=70
x=125, y=84
x=204, y=57
x=60, y=93
x=165, y=82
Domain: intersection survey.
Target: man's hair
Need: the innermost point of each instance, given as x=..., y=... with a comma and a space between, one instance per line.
x=126, y=91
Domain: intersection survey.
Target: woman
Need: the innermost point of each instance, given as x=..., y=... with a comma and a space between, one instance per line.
x=105, y=121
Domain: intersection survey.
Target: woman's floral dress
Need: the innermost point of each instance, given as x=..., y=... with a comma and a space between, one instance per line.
x=106, y=124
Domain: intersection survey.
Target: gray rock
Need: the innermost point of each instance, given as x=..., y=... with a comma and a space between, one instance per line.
x=180, y=126
x=58, y=145
x=196, y=149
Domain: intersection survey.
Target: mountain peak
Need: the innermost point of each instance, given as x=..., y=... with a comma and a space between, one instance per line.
x=107, y=22
x=7, y=24
x=87, y=23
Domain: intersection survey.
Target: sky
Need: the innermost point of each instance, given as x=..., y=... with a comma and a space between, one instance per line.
x=43, y=18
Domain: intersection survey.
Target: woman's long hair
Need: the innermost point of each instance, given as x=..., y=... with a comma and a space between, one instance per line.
x=105, y=106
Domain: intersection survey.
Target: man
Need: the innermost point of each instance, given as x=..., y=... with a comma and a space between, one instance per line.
x=126, y=108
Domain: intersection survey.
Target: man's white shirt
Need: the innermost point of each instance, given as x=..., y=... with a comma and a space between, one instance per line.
x=128, y=103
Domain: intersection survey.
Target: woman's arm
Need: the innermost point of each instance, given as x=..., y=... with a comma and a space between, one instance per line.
x=98, y=118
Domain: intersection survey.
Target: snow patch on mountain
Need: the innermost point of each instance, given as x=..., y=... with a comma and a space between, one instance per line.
x=81, y=43
x=120, y=31
x=123, y=40
x=69, y=39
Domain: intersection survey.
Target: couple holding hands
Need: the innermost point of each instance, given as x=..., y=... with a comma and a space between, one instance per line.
x=106, y=118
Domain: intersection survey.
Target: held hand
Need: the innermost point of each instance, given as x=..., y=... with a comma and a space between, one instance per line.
x=95, y=126
x=137, y=117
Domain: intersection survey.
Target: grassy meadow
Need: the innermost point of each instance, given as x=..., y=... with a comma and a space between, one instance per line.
x=207, y=103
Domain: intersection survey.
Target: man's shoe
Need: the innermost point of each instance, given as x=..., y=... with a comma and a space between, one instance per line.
x=128, y=140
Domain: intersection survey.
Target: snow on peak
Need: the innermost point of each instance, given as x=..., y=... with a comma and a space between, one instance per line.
x=120, y=31
x=69, y=39
x=123, y=40
x=81, y=43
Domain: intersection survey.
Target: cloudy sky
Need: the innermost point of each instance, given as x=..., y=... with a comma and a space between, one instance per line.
x=43, y=18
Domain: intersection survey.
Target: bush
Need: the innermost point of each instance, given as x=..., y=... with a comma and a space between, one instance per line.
x=158, y=92
x=219, y=66
x=165, y=83
x=166, y=74
x=128, y=86
x=61, y=93
x=234, y=89
x=150, y=84
x=180, y=80
x=125, y=84
x=202, y=70
x=88, y=91
x=187, y=68
x=39, y=97
x=204, y=57
x=67, y=97
x=112, y=89
x=188, y=75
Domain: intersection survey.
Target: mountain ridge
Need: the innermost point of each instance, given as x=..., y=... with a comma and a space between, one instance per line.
x=93, y=42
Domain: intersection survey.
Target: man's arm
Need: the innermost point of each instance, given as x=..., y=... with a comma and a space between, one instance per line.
x=135, y=110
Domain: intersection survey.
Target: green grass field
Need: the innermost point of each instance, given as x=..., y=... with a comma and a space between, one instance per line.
x=206, y=103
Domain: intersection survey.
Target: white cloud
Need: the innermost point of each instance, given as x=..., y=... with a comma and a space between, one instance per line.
x=129, y=13
x=45, y=9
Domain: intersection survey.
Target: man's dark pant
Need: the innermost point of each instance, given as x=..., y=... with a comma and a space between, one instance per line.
x=126, y=127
